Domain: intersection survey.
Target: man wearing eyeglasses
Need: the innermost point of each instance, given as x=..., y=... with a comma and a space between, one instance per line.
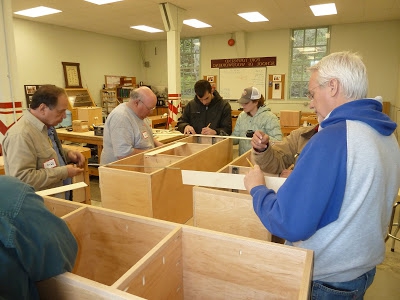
x=127, y=131
x=207, y=113
x=32, y=151
x=338, y=200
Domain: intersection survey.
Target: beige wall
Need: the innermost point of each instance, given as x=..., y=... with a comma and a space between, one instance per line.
x=41, y=49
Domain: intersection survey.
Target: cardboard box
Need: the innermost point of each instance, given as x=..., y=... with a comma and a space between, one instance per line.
x=80, y=126
x=91, y=114
x=123, y=256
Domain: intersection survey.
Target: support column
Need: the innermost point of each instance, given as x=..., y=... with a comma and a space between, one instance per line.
x=173, y=19
x=10, y=98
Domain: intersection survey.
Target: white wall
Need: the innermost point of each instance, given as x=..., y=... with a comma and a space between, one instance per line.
x=41, y=48
x=377, y=42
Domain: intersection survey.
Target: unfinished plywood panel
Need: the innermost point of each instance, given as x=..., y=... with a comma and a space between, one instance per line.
x=122, y=256
x=227, y=212
x=230, y=210
x=156, y=189
x=256, y=270
x=61, y=207
x=110, y=244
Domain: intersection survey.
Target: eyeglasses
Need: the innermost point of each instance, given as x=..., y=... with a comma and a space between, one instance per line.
x=310, y=93
x=150, y=109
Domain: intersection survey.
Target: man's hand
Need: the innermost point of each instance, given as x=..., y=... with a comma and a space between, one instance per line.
x=77, y=158
x=208, y=131
x=254, y=178
x=73, y=170
x=189, y=130
x=260, y=140
x=285, y=173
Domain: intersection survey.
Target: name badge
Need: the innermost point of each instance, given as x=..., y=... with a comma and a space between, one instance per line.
x=50, y=164
x=145, y=134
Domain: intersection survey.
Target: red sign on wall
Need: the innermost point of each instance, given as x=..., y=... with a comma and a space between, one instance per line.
x=250, y=62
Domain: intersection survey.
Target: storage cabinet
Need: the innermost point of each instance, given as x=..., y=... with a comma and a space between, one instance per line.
x=109, y=100
x=123, y=93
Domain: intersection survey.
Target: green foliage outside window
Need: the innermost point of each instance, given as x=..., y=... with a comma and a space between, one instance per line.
x=190, y=66
x=308, y=46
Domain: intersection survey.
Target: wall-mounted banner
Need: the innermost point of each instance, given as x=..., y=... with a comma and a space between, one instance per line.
x=250, y=62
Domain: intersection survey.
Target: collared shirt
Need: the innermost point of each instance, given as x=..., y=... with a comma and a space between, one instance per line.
x=29, y=156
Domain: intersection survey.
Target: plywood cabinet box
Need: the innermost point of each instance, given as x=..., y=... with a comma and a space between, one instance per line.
x=149, y=184
x=125, y=256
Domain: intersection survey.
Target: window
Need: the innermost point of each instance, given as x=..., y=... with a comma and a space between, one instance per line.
x=190, y=66
x=308, y=46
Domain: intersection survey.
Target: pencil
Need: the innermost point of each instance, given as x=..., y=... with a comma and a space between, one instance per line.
x=208, y=124
x=291, y=167
x=251, y=165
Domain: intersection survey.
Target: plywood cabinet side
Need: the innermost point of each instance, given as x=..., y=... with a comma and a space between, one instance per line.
x=227, y=212
x=127, y=191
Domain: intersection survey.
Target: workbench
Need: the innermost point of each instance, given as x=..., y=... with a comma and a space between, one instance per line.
x=87, y=137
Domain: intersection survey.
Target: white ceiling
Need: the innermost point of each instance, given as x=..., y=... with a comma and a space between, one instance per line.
x=116, y=18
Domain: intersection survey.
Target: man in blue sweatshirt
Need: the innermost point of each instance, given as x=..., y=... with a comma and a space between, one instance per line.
x=338, y=200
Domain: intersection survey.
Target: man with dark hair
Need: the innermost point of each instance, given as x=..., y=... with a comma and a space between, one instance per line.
x=207, y=113
x=31, y=148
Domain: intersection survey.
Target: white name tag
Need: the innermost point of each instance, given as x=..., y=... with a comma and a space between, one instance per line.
x=145, y=134
x=50, y=164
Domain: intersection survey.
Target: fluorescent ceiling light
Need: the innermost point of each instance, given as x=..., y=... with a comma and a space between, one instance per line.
x=101, y=2
x=195, y=23
x=324, y=9
x=253, y=17
x=146, y=28
x=37, y=11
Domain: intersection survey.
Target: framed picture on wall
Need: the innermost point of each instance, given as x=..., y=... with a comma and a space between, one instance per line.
x=29, y=91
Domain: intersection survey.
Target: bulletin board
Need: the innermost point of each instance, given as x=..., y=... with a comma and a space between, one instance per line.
x=276, y=86
x=233, y=81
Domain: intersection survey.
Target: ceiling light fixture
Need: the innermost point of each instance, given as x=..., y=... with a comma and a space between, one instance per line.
x=196, y=23
x=254, y=16
x=101, y=2
x=324, y=9
x=37, y=11
x=146, y=28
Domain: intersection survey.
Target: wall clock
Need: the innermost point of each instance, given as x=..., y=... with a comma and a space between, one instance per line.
x=72, y=75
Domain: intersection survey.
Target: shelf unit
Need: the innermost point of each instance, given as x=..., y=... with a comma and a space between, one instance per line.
x=109, y=100
x=123, y=93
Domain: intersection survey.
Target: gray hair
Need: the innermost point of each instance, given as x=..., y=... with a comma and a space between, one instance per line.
x=348, y=69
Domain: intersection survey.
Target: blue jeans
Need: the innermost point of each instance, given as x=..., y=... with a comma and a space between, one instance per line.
x=353, y=289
